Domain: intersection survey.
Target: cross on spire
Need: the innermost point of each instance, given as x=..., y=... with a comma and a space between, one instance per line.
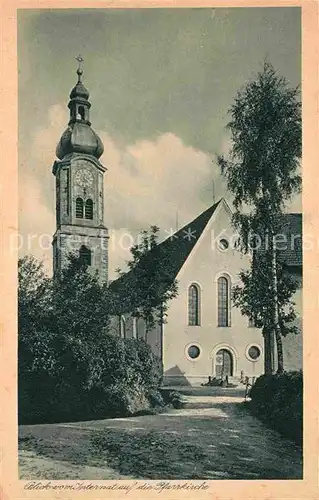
x=79, y=71
x=80, y=60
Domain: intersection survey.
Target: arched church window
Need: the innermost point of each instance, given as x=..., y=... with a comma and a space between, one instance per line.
x=122, y=327
x=79, y=208
x=140, y=329
x=85, y=255
x=193, y=305
x=134, y=328
x=81, y=113
x=89, y=209
x=223, y=298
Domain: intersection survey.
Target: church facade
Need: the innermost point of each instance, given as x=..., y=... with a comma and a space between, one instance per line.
x=203, y=335
x=214, y=338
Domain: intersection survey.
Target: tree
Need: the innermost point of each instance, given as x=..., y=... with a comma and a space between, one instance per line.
x=81, y=307
x=62, y=317
x=69, y=364
x=34, y=311
x=253, y=295
x=62, y=324
x=262, y=172
x=148, y=286
x=34, y=290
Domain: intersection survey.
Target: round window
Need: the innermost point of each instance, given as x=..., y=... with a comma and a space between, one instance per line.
x=193, y=351
x=223, y=244
x=254, y=352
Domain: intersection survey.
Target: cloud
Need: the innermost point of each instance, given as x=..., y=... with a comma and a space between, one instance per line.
x=45, y=140
x=36, y=223
x=160, y=96
x=120, y=242
x=36, y=188
x=150, y=182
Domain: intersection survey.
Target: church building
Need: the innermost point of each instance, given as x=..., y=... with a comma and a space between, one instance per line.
x=204, y=335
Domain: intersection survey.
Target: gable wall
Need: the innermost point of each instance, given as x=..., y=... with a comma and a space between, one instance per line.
x=204, y=265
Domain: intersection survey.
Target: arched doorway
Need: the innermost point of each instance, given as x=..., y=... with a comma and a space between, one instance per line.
x=224, y=363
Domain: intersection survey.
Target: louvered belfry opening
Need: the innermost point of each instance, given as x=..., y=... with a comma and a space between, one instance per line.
x=89, y=209
x=79, y=208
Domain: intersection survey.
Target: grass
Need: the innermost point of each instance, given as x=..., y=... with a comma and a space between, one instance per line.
x=33, y=466
x=42, y=459
x=152, y=455
x=141, y=455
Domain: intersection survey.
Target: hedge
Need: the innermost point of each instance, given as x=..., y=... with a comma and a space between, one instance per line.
x=278, y=401
x=127, y=384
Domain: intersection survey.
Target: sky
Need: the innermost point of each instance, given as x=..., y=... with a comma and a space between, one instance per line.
x=161, y=82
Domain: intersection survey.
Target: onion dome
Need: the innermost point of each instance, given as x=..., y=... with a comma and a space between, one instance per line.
x=79, y=137
x=79, y=90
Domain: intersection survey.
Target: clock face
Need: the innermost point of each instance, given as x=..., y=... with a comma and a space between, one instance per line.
x=84, y=177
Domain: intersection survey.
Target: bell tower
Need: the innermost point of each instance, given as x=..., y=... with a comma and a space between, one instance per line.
x=79, y=175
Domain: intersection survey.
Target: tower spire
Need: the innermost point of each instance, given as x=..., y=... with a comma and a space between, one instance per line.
x=79, y=137
x=79, y=71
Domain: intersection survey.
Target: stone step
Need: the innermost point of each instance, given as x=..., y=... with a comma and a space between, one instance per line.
x=207, y=401
x=188, y=405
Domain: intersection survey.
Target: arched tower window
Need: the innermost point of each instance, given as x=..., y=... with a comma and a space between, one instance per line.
x=81, y=113
x=85, y=255
x=223, y=297
x=79, y=208
x=194, y=305
x=89, y=209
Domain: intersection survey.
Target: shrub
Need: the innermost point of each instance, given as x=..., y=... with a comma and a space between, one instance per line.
x=69, y=366
x=175, y=399
x=172, y=398
x=278, y=400
x=146, y=364
x=123, y=381
x=125, y=400
x=155, y=398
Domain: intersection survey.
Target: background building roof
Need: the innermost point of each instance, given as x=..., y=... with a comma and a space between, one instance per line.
x=291, y=255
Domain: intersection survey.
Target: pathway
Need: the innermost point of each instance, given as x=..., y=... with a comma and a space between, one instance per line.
x=232, y=443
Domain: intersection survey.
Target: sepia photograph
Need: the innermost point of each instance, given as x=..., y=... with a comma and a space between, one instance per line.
x=160, y=249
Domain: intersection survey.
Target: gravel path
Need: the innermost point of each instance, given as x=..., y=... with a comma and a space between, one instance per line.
x=235, y=443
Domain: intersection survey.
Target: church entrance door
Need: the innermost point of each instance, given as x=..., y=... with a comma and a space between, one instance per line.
x=223, y=363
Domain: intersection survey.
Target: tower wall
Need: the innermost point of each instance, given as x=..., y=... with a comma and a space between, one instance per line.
x=69, y=239
x=80, y=228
